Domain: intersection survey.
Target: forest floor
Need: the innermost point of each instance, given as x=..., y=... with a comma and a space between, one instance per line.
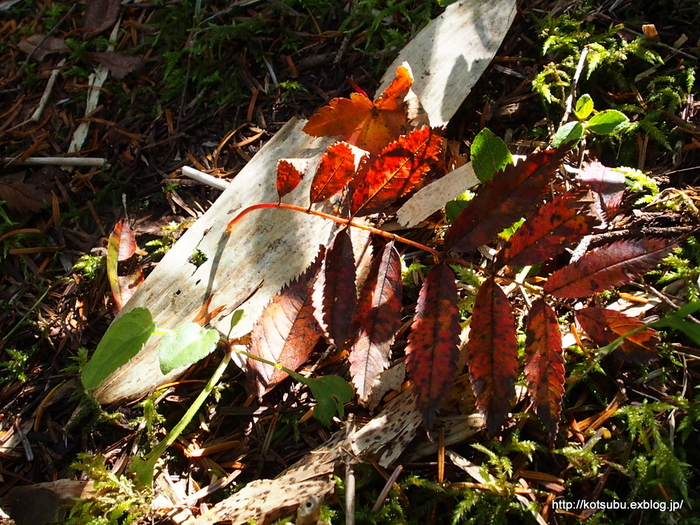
x=207, y=87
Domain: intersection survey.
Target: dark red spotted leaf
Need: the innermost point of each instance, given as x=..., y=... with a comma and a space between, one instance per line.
x=336, y=169
x=286, y=332
x=335, y=295
x=604, y=326
x=554, y=227
x=288, y=177
x=607, y=183
x=607, y=267
x=376, y=320
x=492, y=354
x=544, y=365
x=503, y=200
x=400, y=168
x=432, y=350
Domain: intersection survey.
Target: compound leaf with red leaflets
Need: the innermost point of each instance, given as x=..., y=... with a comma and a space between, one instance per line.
x=335, y=295
x=288, y=177
x=506, y=198
x=604, y=326
x=544, y=365
x=492, y=354
x=286, y=332
x=336, y=169
x=400, y=168
x=554, y=227
x=376, y=320
x=607, y=267
x=432, y=352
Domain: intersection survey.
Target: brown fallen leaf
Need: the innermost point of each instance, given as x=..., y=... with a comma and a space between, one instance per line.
x=41, y=46
x=100, y=15
x=119, y=65
x=22, y=196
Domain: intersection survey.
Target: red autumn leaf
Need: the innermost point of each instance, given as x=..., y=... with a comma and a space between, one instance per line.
x=120, y=246
x=335, y=294
x=604, y=326
x=361, y=122
x=607, y=267
x=432, y=352
x=400, y=168
x=544, y=365
x=288, y=177
x=492, y=354
x=286, y=332
x=377, y=318
x=554, y=227
x=335, y=171
x=506, y=198
x=607, y=183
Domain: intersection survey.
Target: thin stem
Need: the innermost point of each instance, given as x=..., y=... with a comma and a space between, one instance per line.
x=339, y=220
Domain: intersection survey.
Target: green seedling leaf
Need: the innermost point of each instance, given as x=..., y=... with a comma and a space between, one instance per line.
x=489, y=155
x=584, y=106
x=676, y=321
x=607, y=122
x=122, y=341
x=570, y=132
x=331, y=393
x=186, y=345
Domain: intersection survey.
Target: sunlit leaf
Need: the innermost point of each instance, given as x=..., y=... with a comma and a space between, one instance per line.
x=489, y=154
x=185, y=345
x=336, y=169
x=288, y=177
x=607, y=122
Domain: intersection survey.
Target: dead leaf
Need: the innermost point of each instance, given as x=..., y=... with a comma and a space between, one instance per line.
x=41, y=46
x=119, y=65
x=100, y=15
x=22, y=196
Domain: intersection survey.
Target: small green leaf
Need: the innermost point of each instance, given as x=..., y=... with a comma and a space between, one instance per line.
x=584, y=106
x=489, y=155
x=455, y=207
x=186, y=345
x=676, y=321
x=607, y=122
x=331, y=393
x=569, y=132
x=122, y=341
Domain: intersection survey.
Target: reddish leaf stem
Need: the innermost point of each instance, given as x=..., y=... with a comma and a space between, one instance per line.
x=339, y=220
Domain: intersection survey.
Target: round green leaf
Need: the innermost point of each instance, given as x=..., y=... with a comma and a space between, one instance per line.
x=584, y=106
x=123, y=340
x=489, y=155
x=331, y=393
x=607, y=122
x=186, y=345
x=569, y=132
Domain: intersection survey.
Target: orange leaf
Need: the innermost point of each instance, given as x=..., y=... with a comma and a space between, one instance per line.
x=377, y=318
x=120, y=246
x=432, y=351
x=544, y=365
x=492, y=354
x=335, y=171
x=400, y=168
x=607, y=267
x=288, y=177
x=286, y=332
x=335, y=294
x=604, y=326
x=506, y=198
x=361, y=122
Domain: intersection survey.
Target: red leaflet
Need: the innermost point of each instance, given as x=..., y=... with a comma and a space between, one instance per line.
x=377, y=318
x=492, y=354
x=361, y=122
x=607, y=183
x=334, y=292
x=553, y=228
x=335, y=171
x=288, y=177
x=120, y=247
x=506, y=198
x=544, y=365
x=400, y=168
x=286, y=332
x=608, y=267
x=604, y=326
x=432, y=352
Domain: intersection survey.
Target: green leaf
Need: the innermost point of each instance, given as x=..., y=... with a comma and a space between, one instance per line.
x=331, y=393
x=569, y=132
x=186, y=345
x=607, y=122
x=584, y=106
x=123, y=340
x=489, y=155
x=455, y=207
x=676, y=321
